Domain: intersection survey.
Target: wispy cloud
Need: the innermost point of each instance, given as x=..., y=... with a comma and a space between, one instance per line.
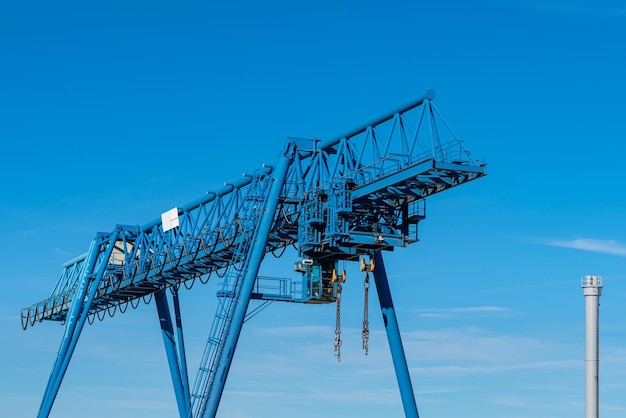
x=60, y=251
x=448, y=312
x=588, y=244
x=480, y=309
x=432, y=315
x=143, y=405
x=473, y=346
x=499, y=368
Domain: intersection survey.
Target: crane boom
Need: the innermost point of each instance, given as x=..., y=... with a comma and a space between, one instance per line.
x=358, y=194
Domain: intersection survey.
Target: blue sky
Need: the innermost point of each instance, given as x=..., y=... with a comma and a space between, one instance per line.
x=115, y=112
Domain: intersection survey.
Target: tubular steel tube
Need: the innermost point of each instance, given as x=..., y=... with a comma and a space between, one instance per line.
x=181, y=346
x=255, y=258
x=428, y=95
x=75, y=324
x=227, y=188
x=245, y=180
x=75, y=260
x=393, y=336
x=592, y=288
x=70, y=326
x=167, y=329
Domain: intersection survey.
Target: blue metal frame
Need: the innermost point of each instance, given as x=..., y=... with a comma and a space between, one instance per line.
x=393, y=336
x=79, y=311
x=357, y=194
x=175, y=358
x=182, y=357
x=258, y=249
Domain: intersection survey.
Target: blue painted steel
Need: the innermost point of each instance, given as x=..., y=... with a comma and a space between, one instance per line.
x=255, y=258
x=426, y=97
x=152, y=259
x=274, y=289
x=167, y=329
x=76, y=321
x=70, y=327
x=357, y=194
x=184, y=374
x=319, y=281
x=394, y=338
x=229, y=295
x=384, y=170
x=211, y=196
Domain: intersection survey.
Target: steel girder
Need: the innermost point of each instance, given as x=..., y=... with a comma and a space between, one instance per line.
x=385, y=169
x=359, y=193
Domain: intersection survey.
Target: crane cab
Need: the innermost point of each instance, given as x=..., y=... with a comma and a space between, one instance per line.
x=320, y=280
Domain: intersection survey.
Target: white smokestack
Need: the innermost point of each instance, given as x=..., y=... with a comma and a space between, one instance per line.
x=592, y=288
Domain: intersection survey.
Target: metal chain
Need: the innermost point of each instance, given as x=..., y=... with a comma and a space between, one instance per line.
x=337, y=341
x=365, y=334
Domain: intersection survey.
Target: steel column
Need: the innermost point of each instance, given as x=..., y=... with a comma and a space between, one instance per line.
x=256, y=257
x=592, y=290
x=76, y=320
x=393, y=336
x=182, y=358
x=165, y=319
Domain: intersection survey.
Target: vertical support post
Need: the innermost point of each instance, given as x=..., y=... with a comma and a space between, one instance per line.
x=182, y=357
x=592, y=289
x=165, y=319
x=83, y=298
x=431, y=127
x=70, y=327
x=256, y=257
x=394, y=338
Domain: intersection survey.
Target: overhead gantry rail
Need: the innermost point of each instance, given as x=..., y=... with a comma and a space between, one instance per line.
x=340, y=199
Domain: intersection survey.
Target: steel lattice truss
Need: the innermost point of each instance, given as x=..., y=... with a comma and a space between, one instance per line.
x=360, y=193
x=390, y=165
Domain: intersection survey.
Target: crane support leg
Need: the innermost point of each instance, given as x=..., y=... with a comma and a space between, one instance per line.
x=175, y=359
x=256, y=257
x=87, y=289
x=393, y=336
x=181, y=344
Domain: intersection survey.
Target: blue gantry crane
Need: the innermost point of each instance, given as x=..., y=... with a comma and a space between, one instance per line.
x=344, y=199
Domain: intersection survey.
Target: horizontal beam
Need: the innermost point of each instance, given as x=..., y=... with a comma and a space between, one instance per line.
x=428, y=95
x=396, y=177
x=227, y=188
